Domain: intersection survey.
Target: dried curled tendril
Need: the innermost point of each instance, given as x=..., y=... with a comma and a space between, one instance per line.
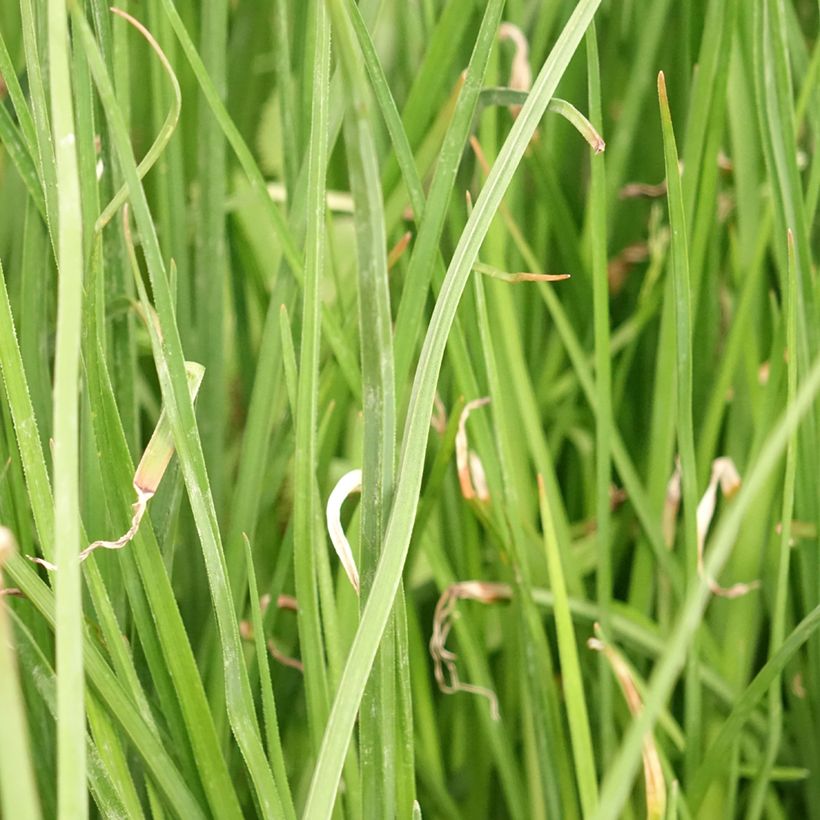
x=150, y=471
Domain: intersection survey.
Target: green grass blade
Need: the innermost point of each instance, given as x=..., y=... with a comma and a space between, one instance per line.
x=71, y=772
x=377, y=741
x=210, y=257
x=682, y=317
x=40, y=111
x=18, y=788
x=715, y=758
x=305, y=512
x=787, y=510
x=603, y=388
x=585, y=770
x=165, y=132
x=268, y=703
x=12, y=141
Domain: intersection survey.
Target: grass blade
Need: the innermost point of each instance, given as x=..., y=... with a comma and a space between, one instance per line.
x=71, y=772
x=17, y=784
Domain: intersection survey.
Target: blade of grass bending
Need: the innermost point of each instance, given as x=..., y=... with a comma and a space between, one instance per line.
x=152, y=466
x=618, y=780
x=171, y=190
x=508, y=96
x=399, y=528
x=683, y=390
x=18, y=787
x=377, y=725
x=597, y=239
x=431, y=221
x=166, y=131
x=173, y=382
x=71, y=773
x=272, y=736
x=570, y=667
x=305, y=513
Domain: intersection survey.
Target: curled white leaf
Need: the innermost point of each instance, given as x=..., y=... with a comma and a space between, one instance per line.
x=478, y=477
x=469, y=467
x=724, y=474
x=349, y=483
x=520, y=71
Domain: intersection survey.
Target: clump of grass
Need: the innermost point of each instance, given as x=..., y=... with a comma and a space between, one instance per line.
x=297, y=178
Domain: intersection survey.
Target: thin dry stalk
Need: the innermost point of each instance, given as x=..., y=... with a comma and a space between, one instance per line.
x=444, y=666
x=397, y=251
x=653, y=771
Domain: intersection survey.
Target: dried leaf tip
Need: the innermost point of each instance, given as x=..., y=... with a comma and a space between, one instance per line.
x=153, y=464
x=520, y=276
x=349, y=483
x=444, y=667
x=724, y=474
x=471, y=476
x=520, y=71
x=653, y=770
x=8, y=548
x=8, y=545
x=438, y=421
x=397, y=251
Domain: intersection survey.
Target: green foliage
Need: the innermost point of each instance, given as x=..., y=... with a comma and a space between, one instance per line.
x=223, y=183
